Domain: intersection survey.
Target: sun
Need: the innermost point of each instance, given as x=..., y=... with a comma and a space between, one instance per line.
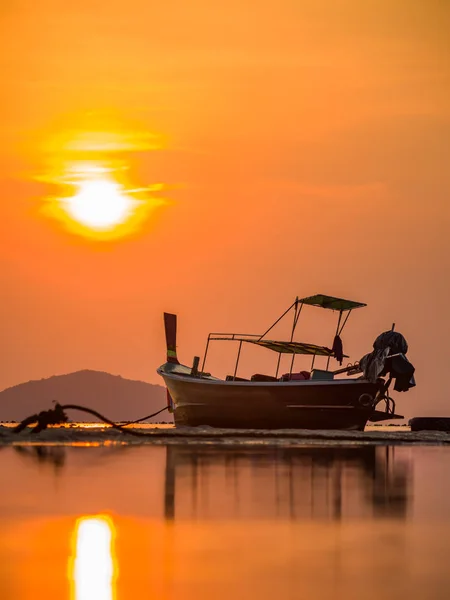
x=99, y=201
x=100, y=204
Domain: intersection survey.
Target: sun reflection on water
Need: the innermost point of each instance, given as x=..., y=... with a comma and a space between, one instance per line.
x=93, y=568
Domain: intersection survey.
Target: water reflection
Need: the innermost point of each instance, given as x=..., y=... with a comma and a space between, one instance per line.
x=294, y=483
x=205, y=521
x=92, y=569
x=51, y=455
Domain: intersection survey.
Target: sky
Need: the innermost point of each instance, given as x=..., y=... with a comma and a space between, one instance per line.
x=264, y=150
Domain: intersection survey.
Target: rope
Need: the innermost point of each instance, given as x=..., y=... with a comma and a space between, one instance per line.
x=383, y=395
x=144, y=418
x=56, y=416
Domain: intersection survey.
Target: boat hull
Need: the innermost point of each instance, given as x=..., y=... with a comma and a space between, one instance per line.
x=270, y=405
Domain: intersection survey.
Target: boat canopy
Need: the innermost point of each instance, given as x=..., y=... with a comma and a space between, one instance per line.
x=330, y=302
x=276, y=345
x=344, y=307
x=293, y=347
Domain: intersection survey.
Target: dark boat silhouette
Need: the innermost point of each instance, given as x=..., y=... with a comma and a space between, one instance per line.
x=314, y=399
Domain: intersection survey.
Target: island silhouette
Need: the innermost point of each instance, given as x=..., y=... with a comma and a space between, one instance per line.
x=115, y=397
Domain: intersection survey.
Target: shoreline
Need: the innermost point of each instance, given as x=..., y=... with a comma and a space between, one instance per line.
x=162, y=434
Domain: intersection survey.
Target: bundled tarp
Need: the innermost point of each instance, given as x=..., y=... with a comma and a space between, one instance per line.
x=388, y=358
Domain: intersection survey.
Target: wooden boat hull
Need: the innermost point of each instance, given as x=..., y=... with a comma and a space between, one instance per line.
x=338, y=404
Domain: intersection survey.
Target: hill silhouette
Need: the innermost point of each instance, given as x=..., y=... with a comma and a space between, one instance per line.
x=117, y=398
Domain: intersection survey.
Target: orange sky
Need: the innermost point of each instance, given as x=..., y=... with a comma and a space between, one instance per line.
x=303, y=147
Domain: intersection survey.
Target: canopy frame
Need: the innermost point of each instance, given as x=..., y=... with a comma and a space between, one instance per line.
x=318, y=300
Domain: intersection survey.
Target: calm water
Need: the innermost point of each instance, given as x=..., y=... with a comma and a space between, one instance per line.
x=200, y=521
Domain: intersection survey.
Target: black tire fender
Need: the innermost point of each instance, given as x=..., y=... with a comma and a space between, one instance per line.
x=365, y=400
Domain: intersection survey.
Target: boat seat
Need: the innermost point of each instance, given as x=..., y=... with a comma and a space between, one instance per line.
x=259, y=377
x=322, y=374
x=232, y=378
x=301, y=376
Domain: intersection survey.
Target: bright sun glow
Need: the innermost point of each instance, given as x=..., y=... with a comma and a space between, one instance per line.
x=100, y=204
x=99, y=200
x=93, y=570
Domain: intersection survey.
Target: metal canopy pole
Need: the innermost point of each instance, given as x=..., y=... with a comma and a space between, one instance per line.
x=294, y=322
x=237, y=360
x=292, y=365
x=337, y=331
x=279, y=319
x=206, y=352
x=296, y=316
x=343, y=324
x=278, y=364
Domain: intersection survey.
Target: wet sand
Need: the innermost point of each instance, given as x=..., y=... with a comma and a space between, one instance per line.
x=168, y=434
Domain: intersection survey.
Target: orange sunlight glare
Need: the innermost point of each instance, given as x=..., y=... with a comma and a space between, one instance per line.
x=100, y=204
x=103, y=205
x=97, y=196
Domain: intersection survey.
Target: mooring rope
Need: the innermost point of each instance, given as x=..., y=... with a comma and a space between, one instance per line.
x=57, y=416
x=143, y=418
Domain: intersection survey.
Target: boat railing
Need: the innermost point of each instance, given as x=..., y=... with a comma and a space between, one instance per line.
x=236, y=337
x=294, y=348
x=329, y=302
x=233, y=336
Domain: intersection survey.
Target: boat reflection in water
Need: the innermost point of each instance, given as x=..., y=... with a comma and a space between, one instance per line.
x=332, y=482
x=303, y=522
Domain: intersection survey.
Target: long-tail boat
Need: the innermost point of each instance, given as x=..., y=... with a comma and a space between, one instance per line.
x=317, y=398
